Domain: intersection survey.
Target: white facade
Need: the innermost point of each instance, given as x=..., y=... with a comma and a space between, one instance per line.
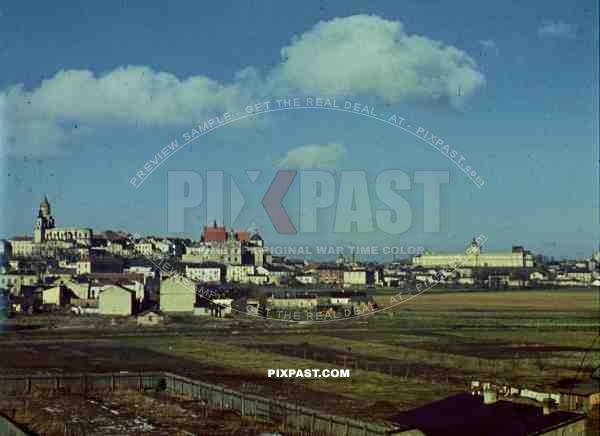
x=116, y=301
x=81, y=236
x=292, y=302
x=355, y=278
x=177, y=294
x=52, y=295
x=144, y=248
x=225, y=304
x=306, y=279
x=203, y=274
x=515, y=259
x=340, y=300
x=239, y=273
x=226, y=252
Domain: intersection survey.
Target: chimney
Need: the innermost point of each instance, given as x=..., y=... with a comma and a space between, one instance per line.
x=548, y=405
x=489, y=396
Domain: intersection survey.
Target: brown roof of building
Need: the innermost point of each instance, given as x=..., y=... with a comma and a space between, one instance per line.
x=211, y=234
x=242, y=236
x=116, y=277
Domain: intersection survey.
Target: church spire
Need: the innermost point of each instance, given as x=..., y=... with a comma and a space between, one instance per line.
x=45, y=207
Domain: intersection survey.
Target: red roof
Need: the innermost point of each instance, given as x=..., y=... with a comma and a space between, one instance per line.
x=219, y=234
x=242, y=236
x=214, y=234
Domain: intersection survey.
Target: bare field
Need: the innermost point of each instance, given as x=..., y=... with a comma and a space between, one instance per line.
x=567, y=301
x=126, y=413
x=431, y=347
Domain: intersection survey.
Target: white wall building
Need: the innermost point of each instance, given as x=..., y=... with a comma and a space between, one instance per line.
x=204, y=273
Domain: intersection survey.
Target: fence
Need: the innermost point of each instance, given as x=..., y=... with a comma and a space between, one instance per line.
x=289, y=416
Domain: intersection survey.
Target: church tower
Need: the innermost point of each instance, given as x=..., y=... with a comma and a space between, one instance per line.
x=475, y=251
x=475, y=248
x=43, y=222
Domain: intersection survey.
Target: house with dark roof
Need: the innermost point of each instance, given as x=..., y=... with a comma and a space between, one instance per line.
x=474, y=415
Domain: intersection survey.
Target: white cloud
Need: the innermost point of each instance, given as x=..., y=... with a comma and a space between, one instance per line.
x=134, y=95
x=353, y=56
x=369, y=56
x=558, y=29
x=312, y=157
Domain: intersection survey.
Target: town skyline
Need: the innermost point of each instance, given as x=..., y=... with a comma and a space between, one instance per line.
x=315, y=251
x=82, y=124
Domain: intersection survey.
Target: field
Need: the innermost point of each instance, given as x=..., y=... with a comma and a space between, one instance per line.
x=423, y=349
x=125, y=413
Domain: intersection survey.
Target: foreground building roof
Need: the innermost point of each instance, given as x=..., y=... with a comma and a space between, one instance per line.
x=466, y=415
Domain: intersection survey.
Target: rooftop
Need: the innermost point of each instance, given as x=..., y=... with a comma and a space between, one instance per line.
x=466, y=415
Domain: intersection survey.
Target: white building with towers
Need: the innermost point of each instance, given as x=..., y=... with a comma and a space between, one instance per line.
x=473, y=257
x=47, y=238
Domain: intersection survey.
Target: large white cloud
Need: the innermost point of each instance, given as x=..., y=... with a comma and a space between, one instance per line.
x=125, y=94
x=42, y=117
x=312, y=156
x=370, y=56
x=359, y=56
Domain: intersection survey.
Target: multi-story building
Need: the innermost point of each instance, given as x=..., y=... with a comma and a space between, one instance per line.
x=45, y=229
x=239, y=273
x=473, y=257
x=331, y=275
x=231, y=252
x=226, y=247
x=145, y=248
x=99, y=262
x=355, y=277
x=205, y=272
x=13, y=282
x=49, y=240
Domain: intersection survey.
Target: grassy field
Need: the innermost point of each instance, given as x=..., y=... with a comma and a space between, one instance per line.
x=441, y=342
x=425, y=349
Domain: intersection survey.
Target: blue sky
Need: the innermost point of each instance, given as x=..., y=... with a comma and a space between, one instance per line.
x=513, y=87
